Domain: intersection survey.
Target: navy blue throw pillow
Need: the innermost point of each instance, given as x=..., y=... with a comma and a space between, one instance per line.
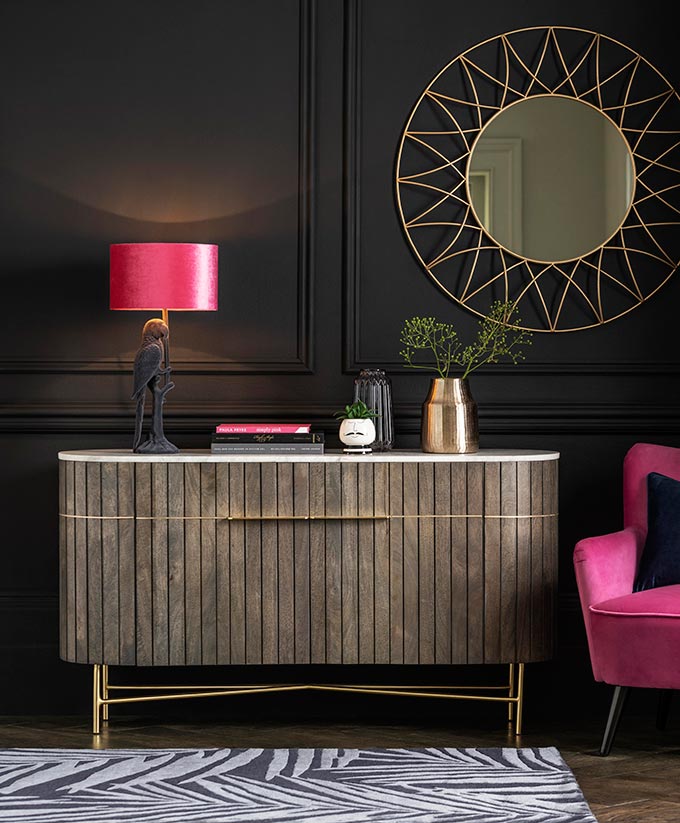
x=660, y=561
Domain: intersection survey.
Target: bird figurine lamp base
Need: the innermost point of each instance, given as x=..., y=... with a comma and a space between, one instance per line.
x=151, y=373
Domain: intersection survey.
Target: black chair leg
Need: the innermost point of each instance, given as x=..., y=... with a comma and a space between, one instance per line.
x=615, y=710
x=663, y=707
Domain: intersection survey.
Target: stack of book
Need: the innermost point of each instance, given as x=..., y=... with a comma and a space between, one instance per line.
x=266, y=438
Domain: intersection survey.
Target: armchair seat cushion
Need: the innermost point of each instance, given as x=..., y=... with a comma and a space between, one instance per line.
x=638, y=638
x=661, y=602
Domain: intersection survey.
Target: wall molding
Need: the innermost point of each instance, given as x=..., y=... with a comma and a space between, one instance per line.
x=109, y=366
x=351, y=223
x=576, y=368
x=302, y=365
x=28, y=601
x=302, y=362
x=639, y=419
x=199, y=417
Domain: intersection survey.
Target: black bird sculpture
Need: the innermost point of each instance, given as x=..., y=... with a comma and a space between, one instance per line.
x=151, y=365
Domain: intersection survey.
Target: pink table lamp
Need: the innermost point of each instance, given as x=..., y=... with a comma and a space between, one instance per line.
x=159, y=277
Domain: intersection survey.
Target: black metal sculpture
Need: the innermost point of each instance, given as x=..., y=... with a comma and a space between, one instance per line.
x=152, y=363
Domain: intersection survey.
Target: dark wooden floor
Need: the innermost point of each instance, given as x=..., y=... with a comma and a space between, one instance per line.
x=638, y=783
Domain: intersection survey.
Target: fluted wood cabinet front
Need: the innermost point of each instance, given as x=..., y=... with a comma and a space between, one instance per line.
x=214, y=561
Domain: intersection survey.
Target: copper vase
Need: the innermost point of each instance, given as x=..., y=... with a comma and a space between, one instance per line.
x=449, y=421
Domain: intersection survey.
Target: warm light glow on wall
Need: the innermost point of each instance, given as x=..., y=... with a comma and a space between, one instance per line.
x=166, y=200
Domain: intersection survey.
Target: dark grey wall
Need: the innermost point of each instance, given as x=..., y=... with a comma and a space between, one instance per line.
x=269, y=127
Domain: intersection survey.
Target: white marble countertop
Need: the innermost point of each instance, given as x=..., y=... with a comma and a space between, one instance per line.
x=330, y=456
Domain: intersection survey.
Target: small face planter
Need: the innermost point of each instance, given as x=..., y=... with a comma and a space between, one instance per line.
x=357, y=435
x=357, y=430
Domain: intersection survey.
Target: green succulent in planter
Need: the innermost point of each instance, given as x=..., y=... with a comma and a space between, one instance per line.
x=357, y=429
x=499, y=337
x=357, y=410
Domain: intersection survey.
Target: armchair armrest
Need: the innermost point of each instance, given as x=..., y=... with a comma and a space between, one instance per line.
x=605, y=566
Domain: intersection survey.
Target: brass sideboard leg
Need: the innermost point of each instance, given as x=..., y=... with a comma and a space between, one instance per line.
x=96, y=698
x=105, y=691
x=511, y=694
x=520, y=698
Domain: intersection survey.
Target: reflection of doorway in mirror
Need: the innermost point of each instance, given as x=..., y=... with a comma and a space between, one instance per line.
x=498, y=161
x=480, y=196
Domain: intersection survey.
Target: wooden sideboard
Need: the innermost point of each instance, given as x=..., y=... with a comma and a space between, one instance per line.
x=399, y=557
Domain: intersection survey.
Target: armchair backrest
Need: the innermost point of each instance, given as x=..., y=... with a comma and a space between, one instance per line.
x=641, y=459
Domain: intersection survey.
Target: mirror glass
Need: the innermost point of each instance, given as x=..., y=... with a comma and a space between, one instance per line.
x=550, y=178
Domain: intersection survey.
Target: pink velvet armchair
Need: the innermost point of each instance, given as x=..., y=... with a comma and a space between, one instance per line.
x=633, y=638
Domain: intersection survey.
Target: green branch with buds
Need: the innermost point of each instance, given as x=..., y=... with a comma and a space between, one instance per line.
x=499, y=337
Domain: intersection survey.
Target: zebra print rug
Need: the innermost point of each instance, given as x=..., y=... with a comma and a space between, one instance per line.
x=285, y=785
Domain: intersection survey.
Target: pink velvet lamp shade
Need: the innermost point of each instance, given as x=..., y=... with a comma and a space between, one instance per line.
x=163, y=276
x=166, y=277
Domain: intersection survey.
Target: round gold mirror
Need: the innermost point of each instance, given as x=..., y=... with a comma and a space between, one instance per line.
x=542, y=166
x=567, y=166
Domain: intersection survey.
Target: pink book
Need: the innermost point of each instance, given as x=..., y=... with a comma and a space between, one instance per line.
x=263, y=428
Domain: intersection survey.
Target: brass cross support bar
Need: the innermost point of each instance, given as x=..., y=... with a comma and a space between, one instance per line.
x=102, y=688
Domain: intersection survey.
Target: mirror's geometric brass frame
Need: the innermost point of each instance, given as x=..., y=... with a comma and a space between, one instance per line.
x=433, y=197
